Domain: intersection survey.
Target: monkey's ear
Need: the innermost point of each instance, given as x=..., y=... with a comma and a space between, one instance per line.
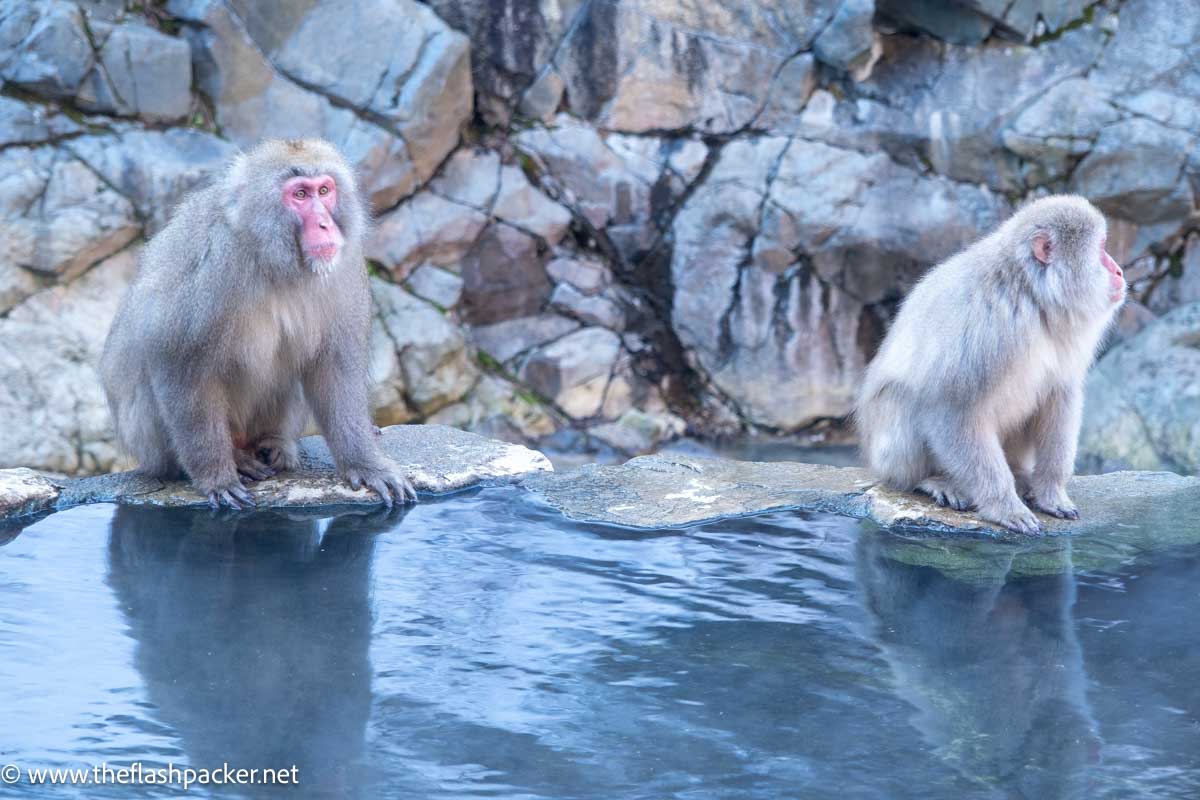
x=1042, y=247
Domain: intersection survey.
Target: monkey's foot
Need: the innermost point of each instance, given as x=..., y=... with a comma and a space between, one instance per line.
x=1054, y=501
x=278, y=453
x=249, y=466
x=385, y=481
x=1015, y=516
x=233, y=495
x=944, y=494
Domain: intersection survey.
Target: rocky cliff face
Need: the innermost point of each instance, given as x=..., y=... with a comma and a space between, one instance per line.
x=616, y=216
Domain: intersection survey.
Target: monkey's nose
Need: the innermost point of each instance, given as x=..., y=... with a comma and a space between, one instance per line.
x=323, y=226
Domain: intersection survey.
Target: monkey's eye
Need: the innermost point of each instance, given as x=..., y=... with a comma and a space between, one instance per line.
x=323, y=190
x=300, y=194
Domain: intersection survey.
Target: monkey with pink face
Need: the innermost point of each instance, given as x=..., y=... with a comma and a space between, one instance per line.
x=250, y=310
x=976, y=394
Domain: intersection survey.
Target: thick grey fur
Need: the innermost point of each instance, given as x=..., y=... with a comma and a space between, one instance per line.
x=229, y=333
x=976, y=394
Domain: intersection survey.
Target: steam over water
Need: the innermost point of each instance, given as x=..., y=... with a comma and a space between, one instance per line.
x=481, y=646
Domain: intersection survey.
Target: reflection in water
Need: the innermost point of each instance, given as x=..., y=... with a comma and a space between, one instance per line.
x=252, y=633
x=994, y=669
x=486, y=647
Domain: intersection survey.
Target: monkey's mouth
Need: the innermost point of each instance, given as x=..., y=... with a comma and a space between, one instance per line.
x=322, y=252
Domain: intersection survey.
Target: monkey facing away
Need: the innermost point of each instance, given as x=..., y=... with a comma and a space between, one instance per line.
x=976, y=394
x=249, y=310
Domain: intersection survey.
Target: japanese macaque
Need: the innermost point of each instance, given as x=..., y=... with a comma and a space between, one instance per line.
x=976, y=394
x=249, y=310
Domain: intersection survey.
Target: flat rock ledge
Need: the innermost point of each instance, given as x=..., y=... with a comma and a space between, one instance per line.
x=1123, y=513
x=659, y=491
x=438, y=460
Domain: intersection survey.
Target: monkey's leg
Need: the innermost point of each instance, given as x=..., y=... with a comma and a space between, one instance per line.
x=1019, y=451
x=144, y=434
x=975, y=465
x=1055, y=435
x=338, y=399
x=195, y=417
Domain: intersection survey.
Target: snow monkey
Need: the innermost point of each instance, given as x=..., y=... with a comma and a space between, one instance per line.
x=976, y=394
x=250, y=309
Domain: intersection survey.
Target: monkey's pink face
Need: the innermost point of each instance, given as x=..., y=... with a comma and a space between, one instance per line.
x=1116, y=278
x=312, y=200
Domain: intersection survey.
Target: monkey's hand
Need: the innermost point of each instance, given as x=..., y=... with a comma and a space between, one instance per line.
x=1014, y=515
x=385, y=480
x=232, y=494
x=1054, y=501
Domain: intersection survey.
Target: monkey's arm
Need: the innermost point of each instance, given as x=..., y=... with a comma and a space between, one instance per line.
x=336, y=389
x=196, y=417
x=1055, y=436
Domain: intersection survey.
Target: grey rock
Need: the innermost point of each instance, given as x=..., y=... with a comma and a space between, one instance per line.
x=637, y=432
x=1142, y=407
x=519, y=203
x=1136, y=171
x=421, y=88
x=573, y=372
x=789, y=94
x=16, y=283
x=849, y=42
x=435, y=285
x=30, y=123
x=543, y=98
x=154, y=169
x=498, y=408
x=589, y=309
x=913, y=104
x=589, y=277
x=613, y=182
x=673, y=491
x=43, y=47
x=511, y=42
x=140, y=72
x=426, y=229
x=949, y=22
x=471, y=177
x=436, y=459
x=504, y=276
x=506, y=340
x=24, y=492
x=1015, y=18
x=1023, y=17
x=780, y=253
x=655, y=66
x=1060, y=126
x=1149, y=67
x=1179, y=286
x=77, y=219
x=253, y=101
x=432, y=362
x=48, y=376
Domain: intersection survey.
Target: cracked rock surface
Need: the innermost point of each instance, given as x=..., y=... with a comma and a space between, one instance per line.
x=696, y=216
